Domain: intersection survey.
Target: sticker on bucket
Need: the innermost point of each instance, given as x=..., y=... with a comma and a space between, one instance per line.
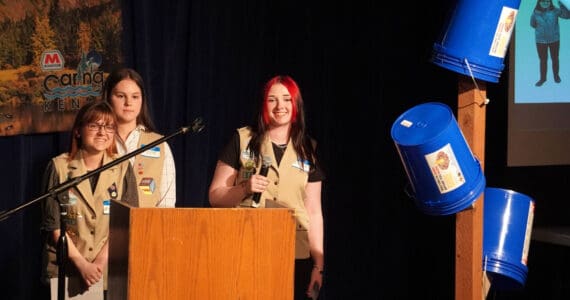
x=475, y=39
x=507, y=227
x=444, y=175
x=503, y=32
x=529, y=221
x=445, y=169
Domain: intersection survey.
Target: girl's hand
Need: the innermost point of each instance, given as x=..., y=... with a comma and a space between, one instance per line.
x=316, y=282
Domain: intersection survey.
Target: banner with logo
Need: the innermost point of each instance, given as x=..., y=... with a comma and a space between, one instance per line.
x=53, y=57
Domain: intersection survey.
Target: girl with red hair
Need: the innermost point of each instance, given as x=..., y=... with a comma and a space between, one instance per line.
x=279, y=145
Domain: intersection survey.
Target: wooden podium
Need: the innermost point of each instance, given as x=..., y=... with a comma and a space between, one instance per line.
x=200, y=253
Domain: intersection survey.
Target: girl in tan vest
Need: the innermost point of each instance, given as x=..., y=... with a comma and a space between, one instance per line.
x=154, y=168
x=85, y=207
x=279, y=144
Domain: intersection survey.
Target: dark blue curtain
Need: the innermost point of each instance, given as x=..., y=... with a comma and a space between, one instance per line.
x=204, y=59
x=359, y=64
x=358, y=67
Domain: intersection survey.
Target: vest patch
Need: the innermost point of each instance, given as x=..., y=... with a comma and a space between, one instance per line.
x=249, y=164
x=147, y=185
x=70, y=212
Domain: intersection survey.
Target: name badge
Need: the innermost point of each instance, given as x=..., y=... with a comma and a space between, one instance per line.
x=106, y=207
x=153, y=152
x=305, y=166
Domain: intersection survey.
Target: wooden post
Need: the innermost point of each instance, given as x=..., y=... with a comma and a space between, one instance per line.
x=469, y=281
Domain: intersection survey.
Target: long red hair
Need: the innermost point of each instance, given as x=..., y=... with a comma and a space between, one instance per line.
x=293, y=89
x=302, y=143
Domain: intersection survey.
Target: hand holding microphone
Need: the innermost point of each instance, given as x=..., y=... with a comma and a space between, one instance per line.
x=266, y=163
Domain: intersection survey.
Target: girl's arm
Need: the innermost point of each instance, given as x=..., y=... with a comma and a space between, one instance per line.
x=316, y=233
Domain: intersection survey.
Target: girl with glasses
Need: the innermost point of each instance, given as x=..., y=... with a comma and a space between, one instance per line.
x=84, y=208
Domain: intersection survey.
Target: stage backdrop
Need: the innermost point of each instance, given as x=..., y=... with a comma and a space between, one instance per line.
x=53, y=57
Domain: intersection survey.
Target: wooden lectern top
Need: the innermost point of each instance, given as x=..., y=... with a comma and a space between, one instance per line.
x=201, y=253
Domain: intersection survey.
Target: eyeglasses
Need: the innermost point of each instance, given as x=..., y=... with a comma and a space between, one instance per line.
x=96, y=127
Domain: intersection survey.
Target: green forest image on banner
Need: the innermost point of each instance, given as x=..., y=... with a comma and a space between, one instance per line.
x=53, y=59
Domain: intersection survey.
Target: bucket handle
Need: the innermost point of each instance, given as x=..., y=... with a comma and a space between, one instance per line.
x=409, y=191
x=476, y=86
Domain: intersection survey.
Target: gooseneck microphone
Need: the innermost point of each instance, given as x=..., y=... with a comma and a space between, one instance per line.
x=264, y=169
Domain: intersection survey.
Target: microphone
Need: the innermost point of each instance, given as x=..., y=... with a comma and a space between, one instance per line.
x=264, y=169
x=196, y=126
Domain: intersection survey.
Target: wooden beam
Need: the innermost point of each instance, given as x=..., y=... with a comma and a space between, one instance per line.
x=470, y=283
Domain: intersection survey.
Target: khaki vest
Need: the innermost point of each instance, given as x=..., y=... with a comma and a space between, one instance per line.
x=148, y=170
x=87, y=221
x=286, y=188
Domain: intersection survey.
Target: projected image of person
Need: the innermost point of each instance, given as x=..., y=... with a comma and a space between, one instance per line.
x=544, y=20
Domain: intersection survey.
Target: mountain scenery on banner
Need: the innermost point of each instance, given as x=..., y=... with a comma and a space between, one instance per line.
x=53, y=58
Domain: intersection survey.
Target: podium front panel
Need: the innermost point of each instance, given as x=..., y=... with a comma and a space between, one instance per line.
x=201, y=253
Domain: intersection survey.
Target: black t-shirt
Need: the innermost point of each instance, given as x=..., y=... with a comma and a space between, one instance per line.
x=230, y=155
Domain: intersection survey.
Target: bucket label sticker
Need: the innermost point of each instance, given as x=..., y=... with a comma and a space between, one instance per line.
x=445, y=169
x=406, y=123
x=528, y=233
x=503, y=32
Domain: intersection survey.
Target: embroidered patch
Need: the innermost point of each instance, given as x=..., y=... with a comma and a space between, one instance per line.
x=140, y=168
x=70, y=209
x=147, y=185
x=72, y=200
x=248, y=165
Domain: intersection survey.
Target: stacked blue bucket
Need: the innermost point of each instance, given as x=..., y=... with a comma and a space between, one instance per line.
x=476, y=37
x=507, y=227
x=447, y=178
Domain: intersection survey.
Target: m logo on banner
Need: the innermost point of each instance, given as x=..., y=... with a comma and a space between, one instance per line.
x=52, y=60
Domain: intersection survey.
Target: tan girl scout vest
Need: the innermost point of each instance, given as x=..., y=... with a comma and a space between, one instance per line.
x=148, y=170
x=88, y=219
x=286, y=188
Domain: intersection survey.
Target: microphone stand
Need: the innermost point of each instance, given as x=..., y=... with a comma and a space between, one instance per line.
x=62, y=249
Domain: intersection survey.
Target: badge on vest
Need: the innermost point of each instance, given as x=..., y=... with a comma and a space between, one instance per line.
x=140, y=168
x=153, y=152
x=71, y=212
x=106, y=207
x=113, y=191
x=249, y=164
x=147, y=185
x=305, y=166
x=71, y=199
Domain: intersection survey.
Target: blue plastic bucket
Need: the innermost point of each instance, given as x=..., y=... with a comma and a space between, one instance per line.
x=444, y=175
x=507, y=226
x=475, y=38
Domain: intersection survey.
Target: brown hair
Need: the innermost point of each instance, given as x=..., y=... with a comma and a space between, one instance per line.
x=120, y=74
x=91, y=112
